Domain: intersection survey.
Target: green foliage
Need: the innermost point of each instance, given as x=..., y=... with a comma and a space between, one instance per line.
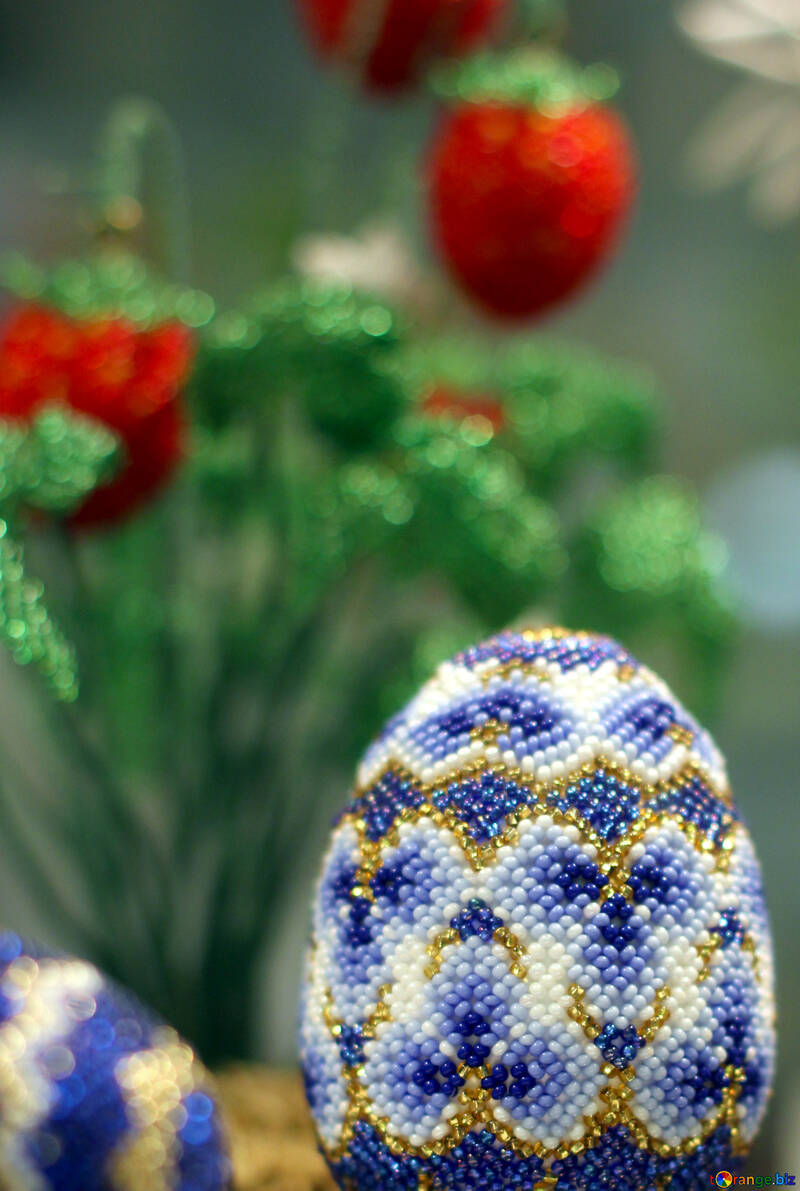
x=472, y=519
x=26, y=627
x=563, y=406
x=54, y=462
x=325, y=347
x=112, y=283
x=646, y=568
x=50, y=464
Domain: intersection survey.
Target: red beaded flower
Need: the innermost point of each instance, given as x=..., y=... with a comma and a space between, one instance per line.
x=388, y=42
x=445, y=399
x=106, y=367
x=525, y=204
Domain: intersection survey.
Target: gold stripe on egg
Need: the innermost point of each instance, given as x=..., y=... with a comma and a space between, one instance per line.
x=153, y=1084
x=610, y=854
x=40, y=1022
x=506, y=938
x=708, y=950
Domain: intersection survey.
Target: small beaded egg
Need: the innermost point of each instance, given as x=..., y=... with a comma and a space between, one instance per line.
x=540, y=953
x=95, y=1094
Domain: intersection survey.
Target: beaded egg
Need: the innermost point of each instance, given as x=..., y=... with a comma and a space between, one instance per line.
x=540, y=953
x=95, y=1094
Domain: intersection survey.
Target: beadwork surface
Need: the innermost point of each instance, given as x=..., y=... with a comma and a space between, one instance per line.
x=94, y=1094
x=540, y=950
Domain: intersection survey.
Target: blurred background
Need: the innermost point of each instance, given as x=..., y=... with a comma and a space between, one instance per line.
x=704, y=293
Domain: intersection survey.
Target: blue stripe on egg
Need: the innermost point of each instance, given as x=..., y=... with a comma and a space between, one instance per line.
x=202, y=1165
x=89, y=1117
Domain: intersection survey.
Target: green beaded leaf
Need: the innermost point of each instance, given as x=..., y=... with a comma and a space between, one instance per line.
x=644, y=563
x=565, y=404
x=477, y=523
x=51, y=464
x=234, y=373
x=109, y=284
x=560, y=404
x=325, y=345
x=529, y=76
x=26, y=626
x=223, y=465
x=361, y=509
x=56, y=461
x=327, y=312
x=447, y=506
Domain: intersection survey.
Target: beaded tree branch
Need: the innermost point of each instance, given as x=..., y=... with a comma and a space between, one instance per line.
x=51, y=465
x=313, y=494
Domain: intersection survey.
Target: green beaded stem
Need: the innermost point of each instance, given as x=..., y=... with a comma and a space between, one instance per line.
x=51, y=464
x=26, y=627
x=142, y=175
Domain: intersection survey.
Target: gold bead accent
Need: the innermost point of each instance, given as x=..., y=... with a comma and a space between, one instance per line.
x=153, y=1083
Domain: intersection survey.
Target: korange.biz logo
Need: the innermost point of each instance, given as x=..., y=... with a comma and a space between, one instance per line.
x=723, y=1178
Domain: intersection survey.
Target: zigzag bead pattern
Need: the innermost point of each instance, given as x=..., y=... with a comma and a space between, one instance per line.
x=540, y=952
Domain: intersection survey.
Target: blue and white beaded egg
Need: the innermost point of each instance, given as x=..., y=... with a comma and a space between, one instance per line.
x=95, y=1094
x=540, y=950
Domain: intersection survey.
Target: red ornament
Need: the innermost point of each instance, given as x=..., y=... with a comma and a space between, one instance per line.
x=387, y=43
x=109, y=369
x=444, y=399
x=526, y=204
